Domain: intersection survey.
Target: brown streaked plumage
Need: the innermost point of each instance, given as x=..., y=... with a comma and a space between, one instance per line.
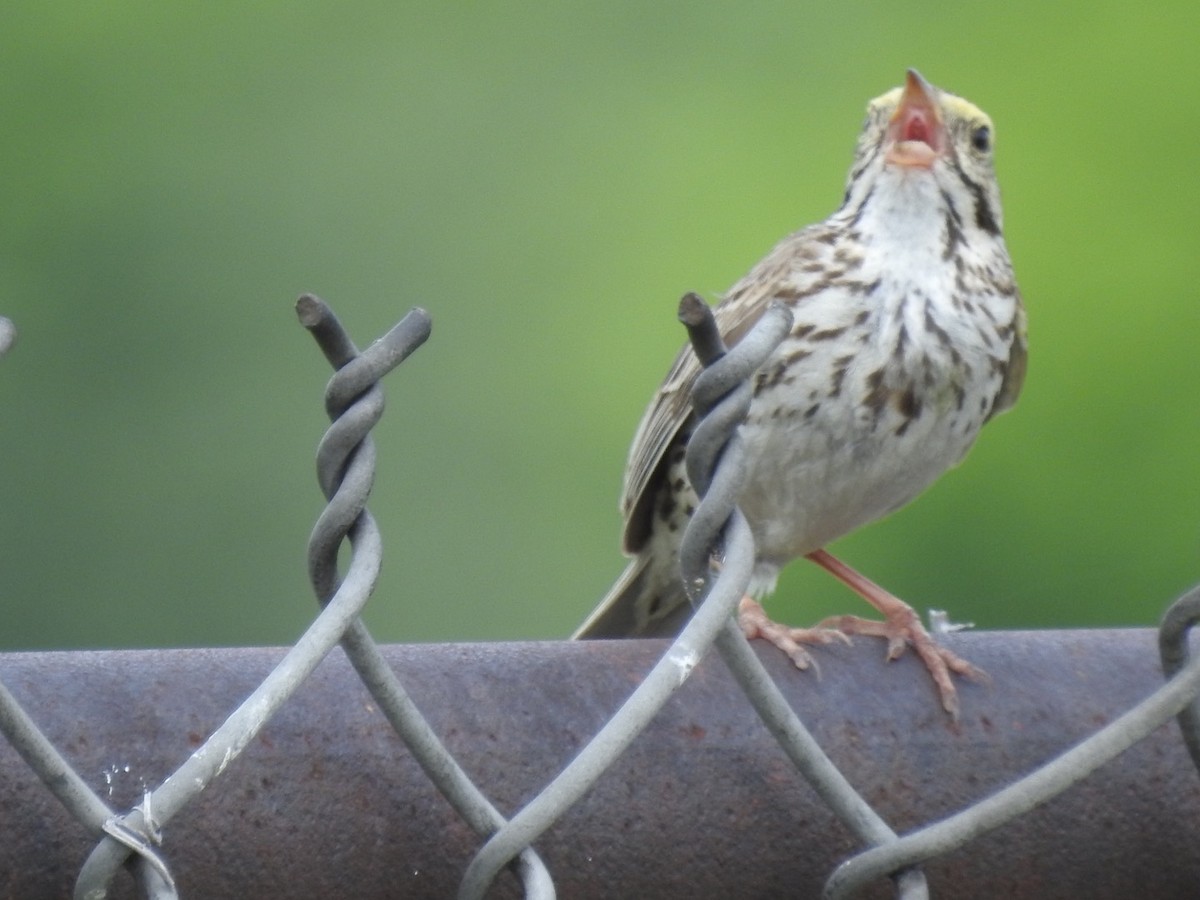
x=909, y=335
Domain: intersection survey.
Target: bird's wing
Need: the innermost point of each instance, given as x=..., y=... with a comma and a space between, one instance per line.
x=1014, y=372
x=784, y=267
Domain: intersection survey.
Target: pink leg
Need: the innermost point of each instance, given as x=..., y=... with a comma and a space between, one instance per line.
x=901, y=627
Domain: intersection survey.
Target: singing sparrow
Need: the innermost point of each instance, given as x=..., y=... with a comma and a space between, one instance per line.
x=909, y=335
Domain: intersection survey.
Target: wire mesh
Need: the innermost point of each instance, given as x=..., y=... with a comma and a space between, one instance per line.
x=716, y=561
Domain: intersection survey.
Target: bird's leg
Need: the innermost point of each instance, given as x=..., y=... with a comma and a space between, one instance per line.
x=755, y=623
x=901, y=626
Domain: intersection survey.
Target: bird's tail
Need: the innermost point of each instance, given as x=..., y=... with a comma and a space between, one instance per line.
x=640, y=604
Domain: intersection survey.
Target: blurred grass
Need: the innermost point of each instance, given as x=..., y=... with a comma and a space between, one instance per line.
x=546, y=179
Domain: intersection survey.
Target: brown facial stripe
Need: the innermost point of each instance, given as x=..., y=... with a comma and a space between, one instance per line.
x=954, y=230
x=985, y=218
x=862, y=207
x=857, y=172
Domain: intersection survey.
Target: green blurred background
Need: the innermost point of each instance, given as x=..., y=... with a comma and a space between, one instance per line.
x=547, y=179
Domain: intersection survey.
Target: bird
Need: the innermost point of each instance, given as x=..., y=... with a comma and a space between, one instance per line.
x=909, y=334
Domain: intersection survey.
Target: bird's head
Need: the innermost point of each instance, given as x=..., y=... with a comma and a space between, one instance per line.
x=919, y=130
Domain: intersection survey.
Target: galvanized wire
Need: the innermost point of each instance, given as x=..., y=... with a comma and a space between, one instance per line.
x=1037, y=787
x=716, y=558
x=347, y=451
x=1173, y=651
x=346, y=511
x=716, y=462
x=346, y=466
x=892, y=855
x=716, y=599
x=49, y=765
x=75, y=794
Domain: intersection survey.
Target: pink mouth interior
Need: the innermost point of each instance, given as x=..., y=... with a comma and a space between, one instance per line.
x=916, y=128
x=916, y=136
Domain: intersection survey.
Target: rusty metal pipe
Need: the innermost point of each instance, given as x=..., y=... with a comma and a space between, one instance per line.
x=327, y=802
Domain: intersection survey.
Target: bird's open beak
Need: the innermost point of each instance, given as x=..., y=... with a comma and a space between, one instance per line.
x=916, y=136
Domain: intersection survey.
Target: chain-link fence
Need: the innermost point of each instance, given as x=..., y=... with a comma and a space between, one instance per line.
x=729, y=808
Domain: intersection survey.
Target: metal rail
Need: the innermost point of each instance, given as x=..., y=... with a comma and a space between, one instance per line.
x=326, y=801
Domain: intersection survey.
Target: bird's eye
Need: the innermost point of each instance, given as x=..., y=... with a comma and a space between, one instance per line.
x=981, y=139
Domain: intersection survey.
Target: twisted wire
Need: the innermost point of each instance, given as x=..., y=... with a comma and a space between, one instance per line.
x=345, y=470
x=716, y=463
x=718, y=531
x=685, y=652
x=343, y=601
x=346, y=452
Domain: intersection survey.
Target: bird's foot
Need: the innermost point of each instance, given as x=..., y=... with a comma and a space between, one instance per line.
x=902, y=628
x=755, y=623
